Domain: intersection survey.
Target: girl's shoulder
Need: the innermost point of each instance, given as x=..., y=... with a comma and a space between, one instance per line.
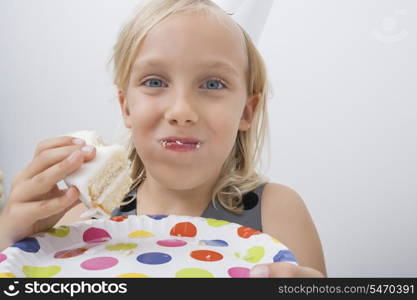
x=280, y=205
x=285, y=216
x=276, y=195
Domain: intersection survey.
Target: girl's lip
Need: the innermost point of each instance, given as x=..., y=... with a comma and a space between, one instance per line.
x=182, y=140
x=180, y=147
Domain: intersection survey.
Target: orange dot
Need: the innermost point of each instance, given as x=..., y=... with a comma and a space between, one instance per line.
x=118, y=218
x=185, y=229
x=247, y=232
x=206, y=255
x=70, y=253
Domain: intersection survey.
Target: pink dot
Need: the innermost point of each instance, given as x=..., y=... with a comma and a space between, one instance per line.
x=99, y=263
x=238, y=272
x=96, y=235
x=3, y=257
x=171, y=243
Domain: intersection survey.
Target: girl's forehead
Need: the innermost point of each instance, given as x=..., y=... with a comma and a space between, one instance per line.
x=195, y=37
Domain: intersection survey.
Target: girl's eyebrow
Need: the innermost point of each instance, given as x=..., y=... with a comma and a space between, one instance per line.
x=208, y=64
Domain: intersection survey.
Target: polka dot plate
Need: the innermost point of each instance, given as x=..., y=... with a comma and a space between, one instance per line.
x=143, y=246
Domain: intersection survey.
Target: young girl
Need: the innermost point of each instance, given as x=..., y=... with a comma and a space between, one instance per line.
x=192, y=90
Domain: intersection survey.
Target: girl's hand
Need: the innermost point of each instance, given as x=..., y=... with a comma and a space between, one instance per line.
x=284, y=269
x=35, y=202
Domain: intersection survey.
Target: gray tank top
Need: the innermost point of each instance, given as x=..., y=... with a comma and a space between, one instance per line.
x=250, y=216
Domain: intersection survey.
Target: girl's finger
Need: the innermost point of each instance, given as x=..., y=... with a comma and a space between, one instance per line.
x=49, y=207
x=52, y=156
x=43, y=182
x=285, y=270
x=56, y=142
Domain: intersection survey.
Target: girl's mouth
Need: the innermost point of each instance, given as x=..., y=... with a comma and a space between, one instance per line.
x=179, y=146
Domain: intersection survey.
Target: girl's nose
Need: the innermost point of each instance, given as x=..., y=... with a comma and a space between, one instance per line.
x=181, y=110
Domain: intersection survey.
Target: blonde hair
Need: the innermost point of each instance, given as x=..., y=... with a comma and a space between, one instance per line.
x=238, y=175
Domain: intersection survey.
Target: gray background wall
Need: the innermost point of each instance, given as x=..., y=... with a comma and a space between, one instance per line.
x=343, y=111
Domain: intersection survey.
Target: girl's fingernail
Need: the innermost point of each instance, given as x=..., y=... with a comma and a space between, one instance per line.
x=78, y=141
x=259, y=271
x=87, y=149
x=73, y=156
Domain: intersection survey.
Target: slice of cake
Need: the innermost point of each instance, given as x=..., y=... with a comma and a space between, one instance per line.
x=105, y=180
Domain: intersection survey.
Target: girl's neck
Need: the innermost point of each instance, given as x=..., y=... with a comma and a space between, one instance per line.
x=154, y=199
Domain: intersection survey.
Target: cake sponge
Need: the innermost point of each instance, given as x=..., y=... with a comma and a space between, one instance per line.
x=104, y=181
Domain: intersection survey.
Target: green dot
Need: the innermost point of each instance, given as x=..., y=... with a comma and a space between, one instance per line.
x=39, y=272
x=121, y=246
x=193, y=273
x=254, y=254
x=216, y=223
x=61, y=231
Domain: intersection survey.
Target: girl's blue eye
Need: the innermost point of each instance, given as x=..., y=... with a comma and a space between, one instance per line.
x=213, y=83
x=152, y=80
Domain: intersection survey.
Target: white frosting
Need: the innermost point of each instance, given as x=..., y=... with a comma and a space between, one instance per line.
x=88, y=170
x=96, y=212
x=89, y=136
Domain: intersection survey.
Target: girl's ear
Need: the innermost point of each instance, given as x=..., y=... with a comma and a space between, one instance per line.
x=249, y=112
x=125, y=109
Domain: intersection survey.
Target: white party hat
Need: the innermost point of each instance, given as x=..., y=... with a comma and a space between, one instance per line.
x=250, y=14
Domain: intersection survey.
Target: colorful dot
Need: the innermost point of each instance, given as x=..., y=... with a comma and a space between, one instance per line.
x=171, y=243
x=206, y=255
x=118, y=218
x=246, y=232
x=61, y=231
x=193, y=273
x=99, y=263
x=3, y=257
x=186, y=229
x=284, y=255
x=216, y=223
x=154, y=258
x=238, y=272
x=254, y=254
x=215, y=243
x=96, y=235
x=132, y=275
x=140, y=234
x=121, y=246
x=39, y=272
x=28, y=245
x=70, y=253
x=157, y=217
x=7, y=275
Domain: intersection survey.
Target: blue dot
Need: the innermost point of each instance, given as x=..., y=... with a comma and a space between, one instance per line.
x=215, y=243
x=28, y=245
x=154, y=258
x=157, y=217
x=284, y=255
